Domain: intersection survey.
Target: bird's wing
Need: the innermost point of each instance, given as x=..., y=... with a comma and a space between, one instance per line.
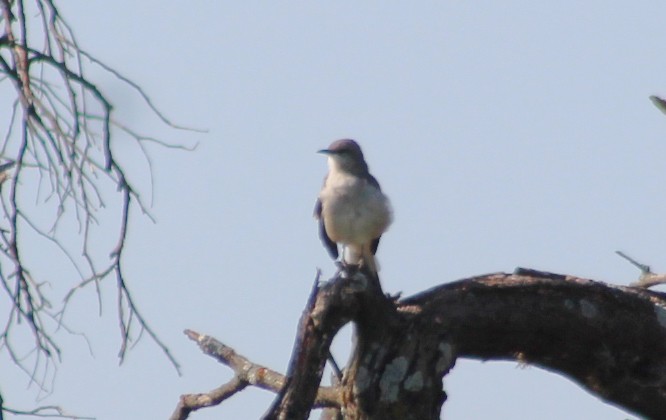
x=331, y=246
x=373, y=181
x=374, y=245
x=375, y=242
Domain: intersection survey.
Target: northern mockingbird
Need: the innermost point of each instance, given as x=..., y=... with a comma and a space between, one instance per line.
x=351, y=208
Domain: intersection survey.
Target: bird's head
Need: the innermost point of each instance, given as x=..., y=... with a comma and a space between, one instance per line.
x=345, y=155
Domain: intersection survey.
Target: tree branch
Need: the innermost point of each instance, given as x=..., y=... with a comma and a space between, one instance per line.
x=245, y=373
x=59, y=133
x=647, y=278
x=609, y=339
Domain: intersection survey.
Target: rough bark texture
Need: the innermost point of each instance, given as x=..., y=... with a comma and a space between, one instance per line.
x=610, y=339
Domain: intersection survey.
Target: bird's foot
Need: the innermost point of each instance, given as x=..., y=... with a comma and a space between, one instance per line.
x=348, y=270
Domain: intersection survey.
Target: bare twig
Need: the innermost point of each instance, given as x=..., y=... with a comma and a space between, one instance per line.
x=59, y=133
x=245, y=373
x=193, y=402
x=647, y=278
x=659, y=103
x=46, y=411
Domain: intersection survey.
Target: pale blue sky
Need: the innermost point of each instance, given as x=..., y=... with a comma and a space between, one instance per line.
x=506, y=134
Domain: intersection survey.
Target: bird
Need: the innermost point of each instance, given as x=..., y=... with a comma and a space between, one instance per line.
x=351, y=208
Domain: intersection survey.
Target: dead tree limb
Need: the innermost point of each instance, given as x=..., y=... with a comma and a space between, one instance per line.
x=609, y=339
x=245, y=373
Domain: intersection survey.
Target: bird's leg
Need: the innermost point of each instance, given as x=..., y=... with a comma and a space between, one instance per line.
x=345, y=255
x=341, y=263
x=368, y=261
x=345, y=266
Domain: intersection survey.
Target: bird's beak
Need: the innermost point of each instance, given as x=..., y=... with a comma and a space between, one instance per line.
x=325, y=152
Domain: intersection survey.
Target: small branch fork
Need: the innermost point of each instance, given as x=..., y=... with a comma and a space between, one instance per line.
x=245, y=373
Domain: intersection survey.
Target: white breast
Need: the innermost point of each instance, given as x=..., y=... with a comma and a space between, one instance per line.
x=354, y=211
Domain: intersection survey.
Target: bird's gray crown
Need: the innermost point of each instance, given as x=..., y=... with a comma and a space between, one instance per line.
x=348, y=154
x=346, y=146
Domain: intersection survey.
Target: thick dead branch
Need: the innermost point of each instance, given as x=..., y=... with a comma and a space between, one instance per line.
x=387, y=348
x=609, y=339
x=329, y=308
